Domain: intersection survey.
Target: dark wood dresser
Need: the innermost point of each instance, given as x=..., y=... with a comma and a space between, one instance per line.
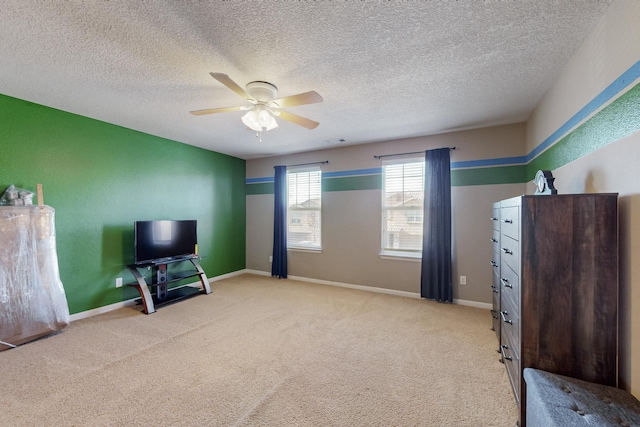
x=558, y=287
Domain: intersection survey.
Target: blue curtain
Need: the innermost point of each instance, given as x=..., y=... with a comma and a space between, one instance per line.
x=436, y=277
x=279, y=264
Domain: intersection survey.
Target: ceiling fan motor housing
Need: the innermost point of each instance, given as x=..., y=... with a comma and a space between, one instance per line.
x=263, y=92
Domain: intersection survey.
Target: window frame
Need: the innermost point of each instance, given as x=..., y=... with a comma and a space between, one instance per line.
x=400, y=252
x=312, y=247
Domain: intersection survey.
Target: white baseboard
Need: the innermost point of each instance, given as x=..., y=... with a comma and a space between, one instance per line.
x=227, y=275
x=475, y=304
x=127, y=303
x=257, y=272
x=122, y=304
x=359, y=287
x=372, y=289
x=103, y=309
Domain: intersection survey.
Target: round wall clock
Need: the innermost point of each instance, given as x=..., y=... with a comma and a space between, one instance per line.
x=544, y=182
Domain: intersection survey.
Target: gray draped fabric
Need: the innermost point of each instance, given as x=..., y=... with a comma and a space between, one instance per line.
x=436, y=277
x=279, y=264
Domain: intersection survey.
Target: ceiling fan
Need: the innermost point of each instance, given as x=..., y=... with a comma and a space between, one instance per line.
x=265, y=106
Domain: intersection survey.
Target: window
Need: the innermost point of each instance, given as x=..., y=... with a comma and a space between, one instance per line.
x=402, y=207
x=304, y=203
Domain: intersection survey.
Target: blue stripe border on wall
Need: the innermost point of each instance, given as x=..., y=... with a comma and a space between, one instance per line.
x=618, y=85
x=259, y=180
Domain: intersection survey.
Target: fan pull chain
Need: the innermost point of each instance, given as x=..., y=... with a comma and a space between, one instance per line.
x=259, y=136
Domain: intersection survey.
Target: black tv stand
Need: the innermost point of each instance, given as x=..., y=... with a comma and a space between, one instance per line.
x=161, y=278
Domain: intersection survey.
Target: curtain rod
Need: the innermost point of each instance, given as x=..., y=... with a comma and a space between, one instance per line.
x=307, y=164
x=404, y=154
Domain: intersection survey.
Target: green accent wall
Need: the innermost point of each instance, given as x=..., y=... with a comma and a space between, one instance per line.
x=489, y=175
x=259, y=188
x=100, y=178
x=348, y=183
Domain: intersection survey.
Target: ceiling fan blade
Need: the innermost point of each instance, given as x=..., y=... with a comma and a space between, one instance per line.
x=301, y=121
x=225, y=80
x=216, y=110
x=310, y=97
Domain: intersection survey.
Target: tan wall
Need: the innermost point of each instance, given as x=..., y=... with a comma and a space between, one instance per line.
x=352, y=219
x=606, y=54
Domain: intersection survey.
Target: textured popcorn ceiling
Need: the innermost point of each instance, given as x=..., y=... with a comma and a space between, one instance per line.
x=386, y=69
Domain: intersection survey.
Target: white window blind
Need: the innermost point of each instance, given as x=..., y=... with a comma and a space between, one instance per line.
x=402, y=207
x=304, y=208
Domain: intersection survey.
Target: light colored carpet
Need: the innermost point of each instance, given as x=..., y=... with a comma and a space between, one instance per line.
x=260, y=351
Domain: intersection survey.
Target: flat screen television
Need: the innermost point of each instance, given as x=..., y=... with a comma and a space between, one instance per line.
x=164, y=240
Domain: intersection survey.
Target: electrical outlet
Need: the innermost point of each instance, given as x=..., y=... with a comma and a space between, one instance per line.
x=118, y=282
x=463, y=280
x=270, y=258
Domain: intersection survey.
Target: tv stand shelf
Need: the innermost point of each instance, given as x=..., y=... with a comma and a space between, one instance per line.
x=161, y=278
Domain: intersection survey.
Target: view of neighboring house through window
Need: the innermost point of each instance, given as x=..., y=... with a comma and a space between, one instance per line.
x=304, y=203
x=402, y=207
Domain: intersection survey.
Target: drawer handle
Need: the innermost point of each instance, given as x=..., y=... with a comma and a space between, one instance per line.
x=494, y=289
x=507, y=251
x=507, y=221
x=506, y=283
x=494, y=264
x=493, y=240
x=503, y=314
x=503, y=349
x=493, y=218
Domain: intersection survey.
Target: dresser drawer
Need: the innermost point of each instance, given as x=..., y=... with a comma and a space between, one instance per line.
x=512, y=363
x=510, y=253
x=495, y=291
x=495, y=311
x=510, y=222
x=495, y=240
x=496, y=279
x=510, y=287
x=495, y=260
x=510, y=324
x=495, y=218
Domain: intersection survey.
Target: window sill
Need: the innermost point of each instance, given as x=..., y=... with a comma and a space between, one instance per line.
x=310, y=250
x=400, y=256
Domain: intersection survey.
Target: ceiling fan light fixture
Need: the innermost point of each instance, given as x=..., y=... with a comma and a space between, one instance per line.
x=251, y=121
x=259, y=119
x=266, y=119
